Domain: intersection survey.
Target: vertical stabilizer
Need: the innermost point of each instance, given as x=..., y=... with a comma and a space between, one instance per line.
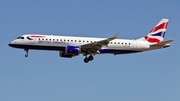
x=156, y=35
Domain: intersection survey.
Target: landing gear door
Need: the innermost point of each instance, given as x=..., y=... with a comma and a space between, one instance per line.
x=135, y=44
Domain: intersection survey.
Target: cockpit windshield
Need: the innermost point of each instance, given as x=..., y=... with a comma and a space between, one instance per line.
x=20, y=38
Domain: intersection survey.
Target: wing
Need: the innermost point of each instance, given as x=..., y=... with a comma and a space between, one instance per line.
x=94, y=47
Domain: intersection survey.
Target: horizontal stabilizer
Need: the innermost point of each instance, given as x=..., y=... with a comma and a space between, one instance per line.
x=162, y=43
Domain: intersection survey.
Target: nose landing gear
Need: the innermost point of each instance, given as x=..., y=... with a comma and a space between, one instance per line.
x=27, y=50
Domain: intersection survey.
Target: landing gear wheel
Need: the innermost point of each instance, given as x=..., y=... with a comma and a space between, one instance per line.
x=90, y=58
x=26, y=55
x=86, y=60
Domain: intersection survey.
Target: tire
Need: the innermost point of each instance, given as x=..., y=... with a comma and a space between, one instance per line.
x=90, y=58
x=26, y=55
x=86, y=60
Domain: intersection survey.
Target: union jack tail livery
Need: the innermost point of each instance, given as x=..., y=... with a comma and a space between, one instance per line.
x=71, y=46
x=156, y=35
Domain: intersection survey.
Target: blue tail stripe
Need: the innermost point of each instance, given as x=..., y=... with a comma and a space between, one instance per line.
x=159, y=34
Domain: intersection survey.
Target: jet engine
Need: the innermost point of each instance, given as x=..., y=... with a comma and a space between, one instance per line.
x=70, y=52
x=73, y=50
x=64, y=55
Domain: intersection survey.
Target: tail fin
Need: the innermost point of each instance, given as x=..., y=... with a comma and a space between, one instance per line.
x=156, y=35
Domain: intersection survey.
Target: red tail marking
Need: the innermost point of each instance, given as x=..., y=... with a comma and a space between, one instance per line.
x=161, y=26
x=152, y=40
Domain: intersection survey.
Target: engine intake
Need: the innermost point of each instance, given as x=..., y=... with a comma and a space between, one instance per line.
x=72, y=50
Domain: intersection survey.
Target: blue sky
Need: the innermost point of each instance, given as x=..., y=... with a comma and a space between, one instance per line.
x=44, y=76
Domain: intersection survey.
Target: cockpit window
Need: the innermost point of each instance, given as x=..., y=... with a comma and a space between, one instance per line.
x=20, y=38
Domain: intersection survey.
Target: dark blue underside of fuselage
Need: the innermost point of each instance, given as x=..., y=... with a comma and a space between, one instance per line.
x=56, y=48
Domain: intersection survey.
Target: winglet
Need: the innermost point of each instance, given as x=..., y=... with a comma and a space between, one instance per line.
x=115, y=36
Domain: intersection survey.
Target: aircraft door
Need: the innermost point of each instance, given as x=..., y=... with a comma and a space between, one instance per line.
x=135, y=44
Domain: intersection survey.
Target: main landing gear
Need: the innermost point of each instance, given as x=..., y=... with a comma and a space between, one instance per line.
x=27, y=50
x=87, y=59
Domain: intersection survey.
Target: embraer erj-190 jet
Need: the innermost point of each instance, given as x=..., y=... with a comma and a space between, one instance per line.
x=70, y=46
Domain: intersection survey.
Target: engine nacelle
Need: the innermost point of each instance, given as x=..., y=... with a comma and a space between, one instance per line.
x=64, y=55
x=72, y=50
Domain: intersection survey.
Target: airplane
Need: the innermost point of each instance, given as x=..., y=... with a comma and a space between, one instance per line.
x=70, y=46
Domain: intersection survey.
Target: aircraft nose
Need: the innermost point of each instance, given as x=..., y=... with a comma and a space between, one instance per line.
x=11, y=44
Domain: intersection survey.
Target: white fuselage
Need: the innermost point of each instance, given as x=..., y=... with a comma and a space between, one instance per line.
x=70, y=46
x=59, y=43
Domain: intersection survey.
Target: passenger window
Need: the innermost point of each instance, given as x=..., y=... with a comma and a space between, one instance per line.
x=129, y=43
x=79, y=40
x=64, y=40
x=114, y=42
x=75, y=40
x=57, y=39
